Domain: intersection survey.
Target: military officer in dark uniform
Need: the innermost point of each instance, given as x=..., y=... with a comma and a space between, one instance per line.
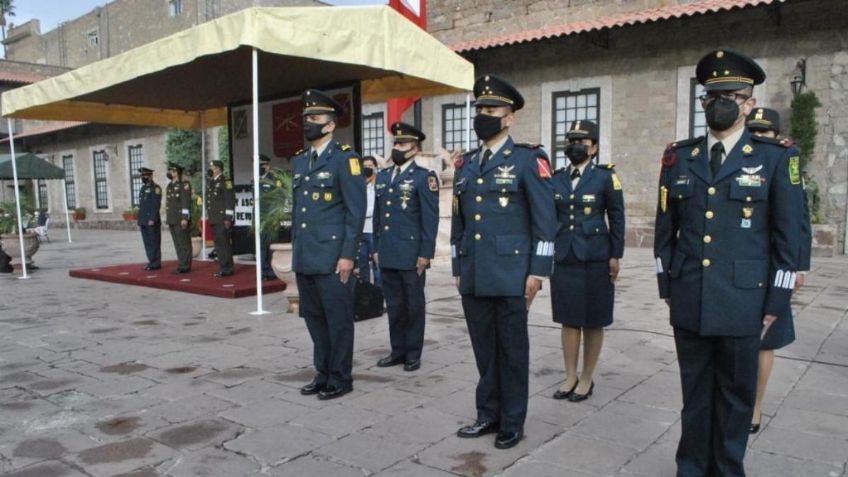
x=727, y=245
x=328, y=216
x=149, y=221
x=588, y=250
x=178, y=215
x=502, y=244
x=220, y=205
x=267, y=183
x=406, y=223
x=765, y=123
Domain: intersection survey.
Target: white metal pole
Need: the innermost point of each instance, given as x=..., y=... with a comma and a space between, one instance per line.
x=11, y=125
x=257, y=219
x=203, y=253
x=67, y=215
x=467, y=122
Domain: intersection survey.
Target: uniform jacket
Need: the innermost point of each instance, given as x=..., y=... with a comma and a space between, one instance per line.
x=220, y=200
x=329, y=209
x=580, y=211
x=406, y=216
x=503, y=221
x=727, y=248
x=149, y=203
x=177, y=202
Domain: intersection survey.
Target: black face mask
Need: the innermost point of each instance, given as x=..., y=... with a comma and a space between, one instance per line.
x=399, y=157
x=312, y=131
x=721, y=114
x=577, y=153
x=263, y=170
x=369, y=171
x=209, y=173
x=145, y=179
x=169, y=176
x=487, y=127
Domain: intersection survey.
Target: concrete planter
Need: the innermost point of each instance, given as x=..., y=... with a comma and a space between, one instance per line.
x=11, y=245
x=281, y=263
x=196, y=246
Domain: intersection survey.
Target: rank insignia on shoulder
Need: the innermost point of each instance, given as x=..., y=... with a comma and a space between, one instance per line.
x=544, y=167
x=608, y=166
x=507, y=152
x=616, y=184
x=795, y=170
x=695, y=152
x=345, y=147
x=229, y=185
x=298, y=152
x=747, y=149
x=433, y=183
x=354, y=166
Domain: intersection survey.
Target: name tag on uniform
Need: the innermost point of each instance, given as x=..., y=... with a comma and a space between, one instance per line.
x=297, y=176
x=588, y=197
x=749, y=180
x=381, y=186
x=682, y=180
x=324, y=175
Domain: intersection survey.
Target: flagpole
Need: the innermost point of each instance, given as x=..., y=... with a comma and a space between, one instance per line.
x=257, y=219
x=17, y=198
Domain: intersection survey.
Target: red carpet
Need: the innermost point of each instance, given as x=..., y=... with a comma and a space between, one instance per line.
x=200, y=281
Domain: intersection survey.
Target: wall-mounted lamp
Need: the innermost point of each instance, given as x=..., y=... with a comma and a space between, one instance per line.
x=800, y=80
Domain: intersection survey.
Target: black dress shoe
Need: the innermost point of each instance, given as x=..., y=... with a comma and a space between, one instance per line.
x=755, y=428
x=389, y=361
x=412, y=365
x=505, y=440
x=331, y=392
x=581, y=397
x=147, y=267
x=312, y=388
x=154, y=268
x=560, y=394
x=180, y=272
x=478, y=429
x=222, y=274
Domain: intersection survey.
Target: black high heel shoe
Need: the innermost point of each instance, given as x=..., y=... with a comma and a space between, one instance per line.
x=560, y=395
x=581, y=397
x=755, y=426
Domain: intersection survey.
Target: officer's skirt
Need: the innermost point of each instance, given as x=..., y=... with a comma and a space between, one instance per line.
x=582, y=294
x=781, y=332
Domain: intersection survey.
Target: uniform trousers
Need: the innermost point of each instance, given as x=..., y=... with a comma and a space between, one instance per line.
x=151, y=236
x=719, y=381
x=223, y=248
x=182, y=244
x=498, y=330
x=326, y=304
x=404, y=292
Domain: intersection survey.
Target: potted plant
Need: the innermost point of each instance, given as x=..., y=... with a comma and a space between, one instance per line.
x=9, y=231
x=276, y=219
x=79, y=214
x=131, y=215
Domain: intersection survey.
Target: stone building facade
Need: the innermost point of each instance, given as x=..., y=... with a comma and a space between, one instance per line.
x=631, y=66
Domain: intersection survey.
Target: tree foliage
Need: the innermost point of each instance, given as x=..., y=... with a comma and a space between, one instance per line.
x=183, y=147
x=803, y=131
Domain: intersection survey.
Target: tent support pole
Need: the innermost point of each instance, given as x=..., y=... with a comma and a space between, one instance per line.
x=11, y=125
x=257, y=218
x=467, y=122
x=203, y=253
x=67, y=219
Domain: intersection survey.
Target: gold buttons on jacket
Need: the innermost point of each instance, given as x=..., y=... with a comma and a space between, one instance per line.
x=706, y=262
x=748, y=199
x=711, y=191
x=303, y=209
x=388, y=215
x=571, y=196
x=477, y=217
x=480, y=180
x=386, y=228
x=570, y=227
x=476, y=236
x=479, y=198
x=707, y=239
x=388, y=202
x=571, y=217
x=709, y=214
x=303, y=226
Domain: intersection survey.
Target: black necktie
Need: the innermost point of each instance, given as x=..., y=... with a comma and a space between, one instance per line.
x=715, y=157
x=396, y=174
x=312, y=159
x=575, y=174
x=486, y=156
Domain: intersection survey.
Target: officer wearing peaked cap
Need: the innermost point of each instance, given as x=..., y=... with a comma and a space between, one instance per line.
x=502, y=230
x=328, y=217
x=589, y=243
x=220, y=209
x=406, y=223
x=727, y=253
x=764, y=120
x=149, y=221
x=267, y=184
x=178, y=215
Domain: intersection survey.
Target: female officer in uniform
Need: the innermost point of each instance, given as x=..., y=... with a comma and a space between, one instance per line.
x=765, y=123
x=588, y=250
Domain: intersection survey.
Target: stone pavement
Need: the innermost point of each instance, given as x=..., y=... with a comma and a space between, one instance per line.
x=99, y=379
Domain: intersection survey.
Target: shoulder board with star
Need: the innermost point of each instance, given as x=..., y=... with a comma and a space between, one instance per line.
x=345, y=147
x=528, y=145
x=685, y=142
x=608, y=167
x=784, y=142
x=299, y=152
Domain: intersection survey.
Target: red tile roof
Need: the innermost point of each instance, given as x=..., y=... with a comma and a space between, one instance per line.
x=21, y=78
x=612, y=21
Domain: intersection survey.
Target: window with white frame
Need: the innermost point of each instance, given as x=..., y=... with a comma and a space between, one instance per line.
x=570, y=106
x=43, y=202
x=454, y=127
x=101, y=185
x=93, y=37
x=175, y=7
x=373, y=134
x=70, y=183
x=136, y=160
x=697, y=118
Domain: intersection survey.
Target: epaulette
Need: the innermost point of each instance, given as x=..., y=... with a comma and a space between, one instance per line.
x=299, y=152
x=784, y=142
x=345, y=147
x=460, y=161
x=686, y=142
x=607, y=166
x=528, y=145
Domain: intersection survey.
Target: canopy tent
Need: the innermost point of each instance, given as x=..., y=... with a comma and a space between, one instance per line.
x=187, y=80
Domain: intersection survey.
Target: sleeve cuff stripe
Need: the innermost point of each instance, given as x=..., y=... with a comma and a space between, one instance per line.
x=785, y=279
x=185, y=211
x=229, y=212
x=659, y=266
x=453, y=251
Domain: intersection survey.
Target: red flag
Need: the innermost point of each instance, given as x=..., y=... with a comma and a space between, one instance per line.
x=416, y=12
